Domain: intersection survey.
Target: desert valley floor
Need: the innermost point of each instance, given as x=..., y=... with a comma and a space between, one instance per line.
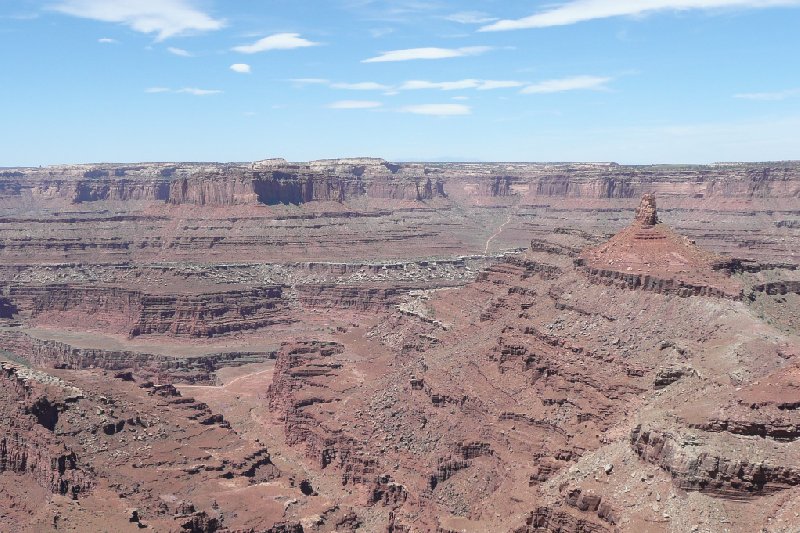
x=359, y=345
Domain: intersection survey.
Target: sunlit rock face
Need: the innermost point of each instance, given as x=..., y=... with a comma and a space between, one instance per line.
x=357, y=345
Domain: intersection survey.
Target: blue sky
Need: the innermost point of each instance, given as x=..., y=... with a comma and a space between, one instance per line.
x=632, y=81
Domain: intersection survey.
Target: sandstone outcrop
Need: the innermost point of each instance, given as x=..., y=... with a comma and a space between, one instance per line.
x=28, y=445
x=135, y=313
x=650, y=256
x=192, y=369
x=278, y=181
x=358, y=345
x=303, y=382
x=720, y=473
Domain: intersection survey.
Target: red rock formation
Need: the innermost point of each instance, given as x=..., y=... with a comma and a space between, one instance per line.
x=28, y=445
x=299, y=184
x=650, y=256
x=191, y=369
x=501, y=399
x=298, y=386
x=277, y=181
x=716, y=473
x=560, y=521
x=135, y=313
x=359, y=298
x=646, y=212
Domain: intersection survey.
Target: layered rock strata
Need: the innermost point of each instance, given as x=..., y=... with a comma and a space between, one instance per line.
x=650, y=256
x=134, y=313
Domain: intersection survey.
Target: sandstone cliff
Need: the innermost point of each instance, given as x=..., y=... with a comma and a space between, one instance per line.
x=279, y=182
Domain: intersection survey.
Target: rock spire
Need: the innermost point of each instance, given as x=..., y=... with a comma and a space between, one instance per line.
x=646, y=212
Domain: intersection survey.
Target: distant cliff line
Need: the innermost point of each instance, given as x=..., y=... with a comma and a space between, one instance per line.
x=276, y=181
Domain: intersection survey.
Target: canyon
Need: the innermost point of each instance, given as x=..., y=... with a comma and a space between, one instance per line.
x=362, y=345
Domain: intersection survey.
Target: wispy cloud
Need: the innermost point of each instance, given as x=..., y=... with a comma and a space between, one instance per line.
x=355, y=104
x=357, y=86
x=310, y=81
x=769, y=96
x=107, y=40
x=583, y=10
x=427, y=53
x=488, y=85
x=567, y=84
x=377, y=33
x=412, y=85
x=470, y=17
x=241, y=68
x=390, y=11
x=439, y=110
x=179, y=52
x=361, y=86
x=186, y=90
x=165, y=18
x=279, y=41
x=198, y=92
x=481, y=85
x=415, y=85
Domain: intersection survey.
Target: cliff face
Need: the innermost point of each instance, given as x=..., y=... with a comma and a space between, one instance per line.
x=312, y=365
x=299, y=186
x=47, y=353
x=80, y=442
x=350, y=297
x=202, y=191
x=137, y=313
x=223, y=185
x=713, y=471
x=565, y=185
x=115, y=190
x=28, y=445
x=743, y=181
x=278, y=182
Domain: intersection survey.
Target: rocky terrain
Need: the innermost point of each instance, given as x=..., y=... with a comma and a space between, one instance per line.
x=358, y=345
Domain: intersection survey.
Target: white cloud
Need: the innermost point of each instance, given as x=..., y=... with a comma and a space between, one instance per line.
x=481, y=85
x=198, y=92
x=186, y=90
x=165, y=18
x=309, y=81
x=178, y=52
x=107, y=40
x=414, y=85
x=241, y=68
x=439, y=110
x=487, y=85
x=769, y=97
x=361, y=86
x=567, y=84
x=355, y=104
x=427, y=53
x=582, y=10
x=377, y=33
x=279, y=41
x=358, y=86
x=470, y=17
